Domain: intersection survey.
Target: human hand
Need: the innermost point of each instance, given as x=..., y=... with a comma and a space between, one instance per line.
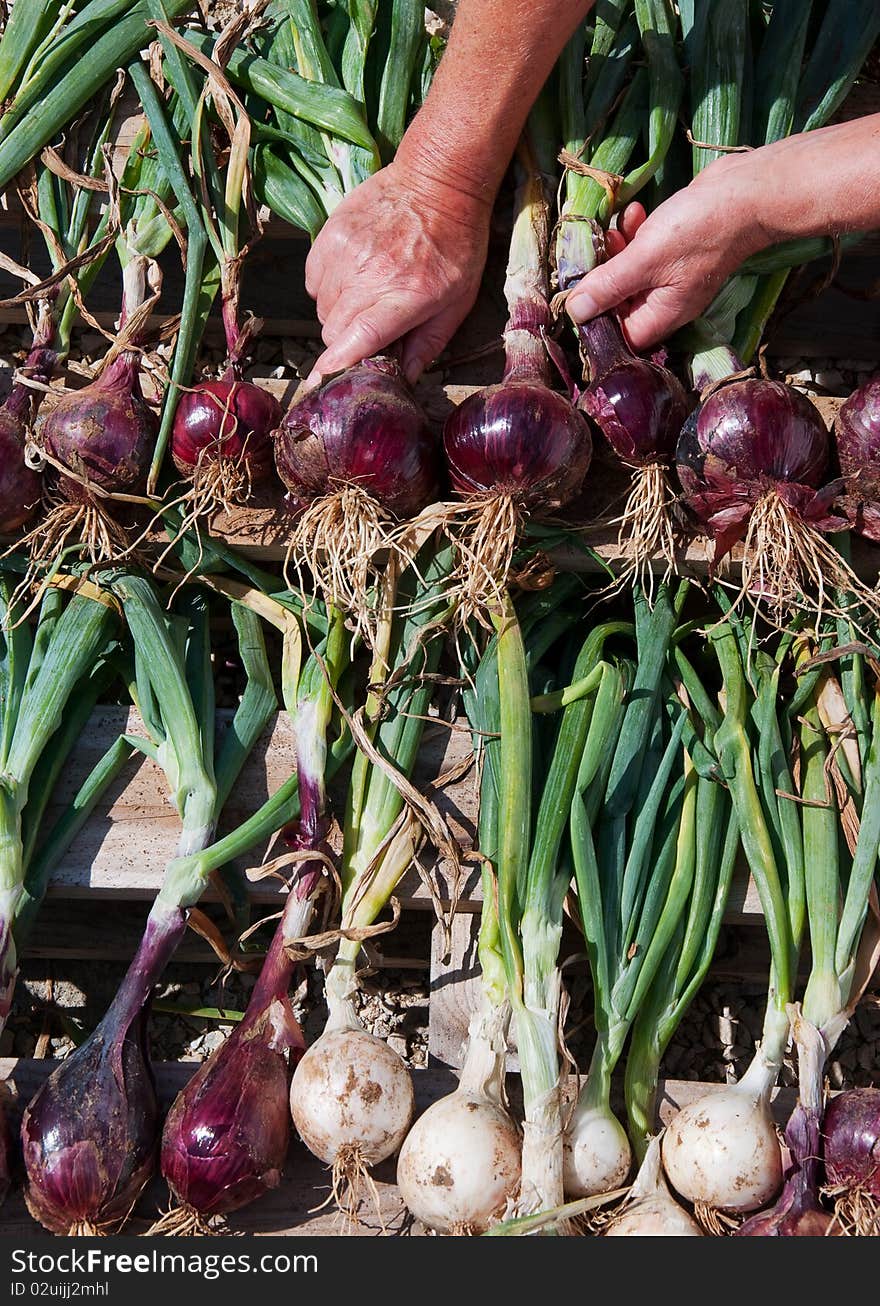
x=400, y=259
x=664, y=269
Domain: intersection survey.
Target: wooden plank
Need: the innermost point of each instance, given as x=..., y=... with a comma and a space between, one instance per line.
x=76, y=930
x=290, y=1209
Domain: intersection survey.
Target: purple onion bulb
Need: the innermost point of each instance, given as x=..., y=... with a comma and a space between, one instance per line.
x=857, y=435
x=104, y=433
x=365, y=428
x=521, y=439
x=227, y=420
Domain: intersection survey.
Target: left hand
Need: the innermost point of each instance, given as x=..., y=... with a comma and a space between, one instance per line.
x=666, y=268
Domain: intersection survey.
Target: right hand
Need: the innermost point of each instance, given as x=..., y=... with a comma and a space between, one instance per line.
x=400, y=258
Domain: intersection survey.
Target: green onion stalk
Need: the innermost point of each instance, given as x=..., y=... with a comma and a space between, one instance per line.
x=722, y=1152
x=533, y=874
x=469, y=1136
x=226, y=1136
x=639, y=405
x=44, y=675
x=710, y=838
x=840, y=796
x=54, y=60
x=633, y=837
x=338, y=1111
x=89, y=1135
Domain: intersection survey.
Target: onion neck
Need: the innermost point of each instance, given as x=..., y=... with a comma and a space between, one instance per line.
x=580, y=247
x=482, y=1074
x=165, y=928
x=711, y=366
x=603, y=346
x=526, y=287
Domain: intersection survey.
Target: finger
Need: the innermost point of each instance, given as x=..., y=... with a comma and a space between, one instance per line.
x=609, y=285
x=651, y=318
x=370, y=333
x=353, y=303
x=426, y=342
x=615, y=242
x=631, y=219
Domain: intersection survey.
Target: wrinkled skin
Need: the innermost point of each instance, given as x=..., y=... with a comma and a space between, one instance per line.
x=90, y=1134
x=362, y=427
x=857, y=436
x=89, y=1178
x=229, y=419
x=518, y=438
x=105, y=433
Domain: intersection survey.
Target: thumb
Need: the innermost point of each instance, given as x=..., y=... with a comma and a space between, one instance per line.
x=607, y=286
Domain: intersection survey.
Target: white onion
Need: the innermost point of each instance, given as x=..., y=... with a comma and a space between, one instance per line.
x=460, y=1163
x=351, y=1092
x=597, y=1155
x=723, y=1149
x=651, y=1211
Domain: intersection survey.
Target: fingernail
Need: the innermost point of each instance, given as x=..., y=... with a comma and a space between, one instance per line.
x=312, y=381
x=581, y=305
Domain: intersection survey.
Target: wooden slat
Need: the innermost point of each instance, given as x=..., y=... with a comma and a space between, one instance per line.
x=290, y=1209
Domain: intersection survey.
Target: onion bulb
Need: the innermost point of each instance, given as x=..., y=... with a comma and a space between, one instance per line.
x=722, y=1151
x=351, y=1096
x=851, y=1139
x=754, y=464
x=857, y=436
x=459, y=1165
x=650, y=1211
x=356, y=456
x=597, y=1155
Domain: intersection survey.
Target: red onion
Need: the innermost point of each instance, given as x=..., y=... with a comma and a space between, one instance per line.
x=639, y=406
x=104, y=433
x=222, y=439
x=89, y=1135
x=857, y=434
x=20, y=486
x=355, y=453
x=753, y=462
x=226, y=1136
x=851, y=1136
x=516, y=447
